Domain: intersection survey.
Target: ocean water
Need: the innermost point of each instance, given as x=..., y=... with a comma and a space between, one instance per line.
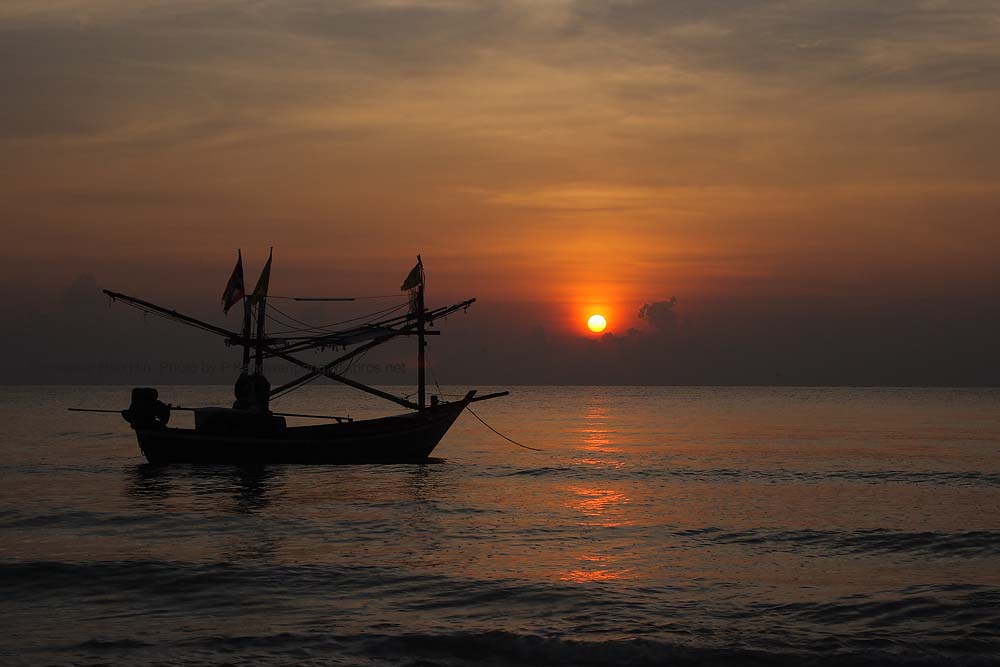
x=658, y=526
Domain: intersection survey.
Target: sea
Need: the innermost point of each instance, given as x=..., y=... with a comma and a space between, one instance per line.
x=652, y=526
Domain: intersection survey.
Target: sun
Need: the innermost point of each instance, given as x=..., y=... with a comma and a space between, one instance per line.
x=597, y=323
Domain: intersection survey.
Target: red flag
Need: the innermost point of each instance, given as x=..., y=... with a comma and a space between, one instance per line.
x=234, y=288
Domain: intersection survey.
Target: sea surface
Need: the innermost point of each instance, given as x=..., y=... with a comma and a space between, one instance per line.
x=682, y=526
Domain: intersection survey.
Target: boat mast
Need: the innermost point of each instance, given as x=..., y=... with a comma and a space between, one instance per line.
x=258, y=367
x=421, y=342
x=247, y=313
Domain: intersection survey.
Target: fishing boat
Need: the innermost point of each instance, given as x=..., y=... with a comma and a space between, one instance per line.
x=249, y=432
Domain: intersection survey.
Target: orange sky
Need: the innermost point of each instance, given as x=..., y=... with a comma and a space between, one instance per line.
x=582, y=154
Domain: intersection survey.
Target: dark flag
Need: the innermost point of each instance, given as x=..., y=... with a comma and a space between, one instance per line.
x=234, y=288
x=260, y=292
x=415, y=277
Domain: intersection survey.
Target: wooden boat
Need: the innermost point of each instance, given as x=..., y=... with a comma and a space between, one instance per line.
x=251, y=433
x=406, y=438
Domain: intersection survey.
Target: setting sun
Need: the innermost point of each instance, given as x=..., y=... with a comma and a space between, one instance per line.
x=597, y=323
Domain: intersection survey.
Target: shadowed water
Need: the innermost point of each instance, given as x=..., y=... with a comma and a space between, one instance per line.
x=680, y=525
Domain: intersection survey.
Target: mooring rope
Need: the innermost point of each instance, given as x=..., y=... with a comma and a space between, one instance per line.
x=483, y=422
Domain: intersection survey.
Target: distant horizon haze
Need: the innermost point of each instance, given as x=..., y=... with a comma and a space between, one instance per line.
x=80, y=337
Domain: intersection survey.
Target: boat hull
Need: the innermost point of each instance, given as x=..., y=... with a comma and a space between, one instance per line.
x=407, y=438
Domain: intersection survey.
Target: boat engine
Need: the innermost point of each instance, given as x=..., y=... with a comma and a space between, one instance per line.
x=146, y=410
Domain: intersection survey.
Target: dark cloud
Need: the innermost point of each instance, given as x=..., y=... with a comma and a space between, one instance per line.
x=819, y=341
x=823, y=41
x=196, y=71
x=660, y=315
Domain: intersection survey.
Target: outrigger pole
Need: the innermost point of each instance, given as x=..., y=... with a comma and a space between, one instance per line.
x=348, y=381
x=174, y=315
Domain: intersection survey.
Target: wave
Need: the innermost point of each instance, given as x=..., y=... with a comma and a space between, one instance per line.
x=973, y=543
x=849, y=542
x=504, y=648
x=639, y=472
x=496, y=648
x=158, y=612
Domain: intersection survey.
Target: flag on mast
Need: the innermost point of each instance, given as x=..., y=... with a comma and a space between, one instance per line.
x=260, y=291
x=415, y=277
x=234, y=288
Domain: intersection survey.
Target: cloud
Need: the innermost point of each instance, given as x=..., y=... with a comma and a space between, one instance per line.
x=660, y=315
x=710, y=146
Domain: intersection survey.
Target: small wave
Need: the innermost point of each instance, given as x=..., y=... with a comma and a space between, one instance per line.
x=736, y=475
x=170, y=584
x=92, y=435
x=111, y=645
x=504, y=648
x=499, y=619
x=498, y=649
x=935, y=609
x=540, y=472
x=947, y=478
x=74, y=519
x=975, y=543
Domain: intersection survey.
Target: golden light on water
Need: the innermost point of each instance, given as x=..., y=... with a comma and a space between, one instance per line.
x=600, y=507
x=597, y=568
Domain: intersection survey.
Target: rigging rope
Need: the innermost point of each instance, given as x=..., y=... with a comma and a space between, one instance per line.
x=291, y=322
x=384, y=311
x=326, y=328
x=352, y=298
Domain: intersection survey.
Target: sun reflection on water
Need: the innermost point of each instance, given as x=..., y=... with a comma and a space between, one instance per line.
x=598, y=506
x=596, y=568
x=596, y=439
x=599, y=503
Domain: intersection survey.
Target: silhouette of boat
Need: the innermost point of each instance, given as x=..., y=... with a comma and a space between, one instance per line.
x=251, y=433
x=405, y=438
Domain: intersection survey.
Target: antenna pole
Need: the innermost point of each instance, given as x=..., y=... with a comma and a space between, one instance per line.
x=259, y=360
x=260, y=294
x=246, y=333
x=421, y=342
